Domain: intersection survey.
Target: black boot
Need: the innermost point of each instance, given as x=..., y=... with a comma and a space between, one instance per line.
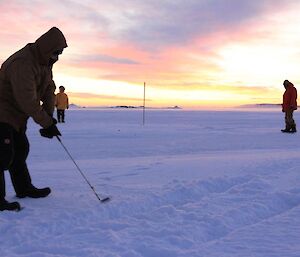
x=34, y=192
x=286, y=130
x=293, y=130
x=5, y=205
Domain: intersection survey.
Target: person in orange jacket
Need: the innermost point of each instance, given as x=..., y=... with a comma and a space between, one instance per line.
x=289, y=105
x=61, y=103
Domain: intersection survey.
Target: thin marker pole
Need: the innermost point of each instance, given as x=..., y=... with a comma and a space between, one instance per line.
x=144, y=103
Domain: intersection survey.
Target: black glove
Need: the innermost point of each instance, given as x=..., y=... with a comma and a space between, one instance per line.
x=50, y=132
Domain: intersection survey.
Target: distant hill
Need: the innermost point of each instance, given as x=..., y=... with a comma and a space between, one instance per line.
x=174, y=107
x=139, y=107
x=74, y=106
x=127, y=106
x=260, y=106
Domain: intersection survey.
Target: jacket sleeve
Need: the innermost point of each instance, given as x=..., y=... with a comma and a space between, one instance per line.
x=286, y=101
x=24, y=86
x=293, y=99
x=48, y=98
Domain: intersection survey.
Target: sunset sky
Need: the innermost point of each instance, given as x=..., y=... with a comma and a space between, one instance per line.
x=191, y=53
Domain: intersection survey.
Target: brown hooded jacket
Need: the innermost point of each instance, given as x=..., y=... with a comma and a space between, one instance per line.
x=26, y=80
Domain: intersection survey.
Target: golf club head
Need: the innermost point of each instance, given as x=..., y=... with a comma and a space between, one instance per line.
x=106, y=199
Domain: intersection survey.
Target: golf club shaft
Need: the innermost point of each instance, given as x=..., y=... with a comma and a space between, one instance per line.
x=58, y=138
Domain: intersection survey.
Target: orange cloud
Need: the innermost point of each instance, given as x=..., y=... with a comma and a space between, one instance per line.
x=188, y=53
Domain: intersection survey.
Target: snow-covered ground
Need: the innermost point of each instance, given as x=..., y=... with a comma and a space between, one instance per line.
x=188, y=183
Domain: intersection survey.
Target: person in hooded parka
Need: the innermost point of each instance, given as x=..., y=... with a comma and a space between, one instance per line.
x=26, y=90
x=289, y=105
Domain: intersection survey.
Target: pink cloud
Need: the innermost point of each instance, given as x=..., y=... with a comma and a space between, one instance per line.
x=169, y=43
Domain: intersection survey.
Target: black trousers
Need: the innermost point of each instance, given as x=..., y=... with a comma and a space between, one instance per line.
x=60, y=115
x=289, y=120
x=14, y=149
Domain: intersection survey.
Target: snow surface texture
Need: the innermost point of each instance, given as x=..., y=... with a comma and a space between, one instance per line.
x=188, y=183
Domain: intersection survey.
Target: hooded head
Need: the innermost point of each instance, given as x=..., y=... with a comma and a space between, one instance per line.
x=50, y=45
x=287, y=84
x=62, y=89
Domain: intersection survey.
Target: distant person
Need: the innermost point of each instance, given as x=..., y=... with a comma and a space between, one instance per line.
x=61, y=103
x=289, y=105
x=25, y=82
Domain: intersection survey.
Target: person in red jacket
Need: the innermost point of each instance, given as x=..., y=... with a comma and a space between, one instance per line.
x=289, y=105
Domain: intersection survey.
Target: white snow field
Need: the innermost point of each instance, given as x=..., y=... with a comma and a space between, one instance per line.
x=188, y=183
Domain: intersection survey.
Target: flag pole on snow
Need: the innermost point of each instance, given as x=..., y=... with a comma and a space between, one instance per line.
x=144, y=103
